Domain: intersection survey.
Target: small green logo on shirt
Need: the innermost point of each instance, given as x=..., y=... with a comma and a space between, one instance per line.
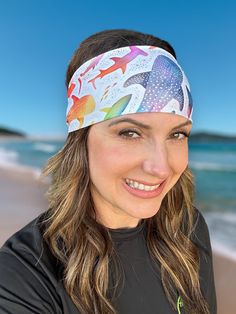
x=179, y=304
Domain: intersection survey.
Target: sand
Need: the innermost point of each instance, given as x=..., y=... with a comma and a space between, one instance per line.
x=225, y=280
x=22, y=199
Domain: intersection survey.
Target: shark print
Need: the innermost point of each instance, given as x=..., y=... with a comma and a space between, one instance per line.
x=70, y=89
x=116, y=108
x=92, y=64
x=120, y=63
x=80, y=108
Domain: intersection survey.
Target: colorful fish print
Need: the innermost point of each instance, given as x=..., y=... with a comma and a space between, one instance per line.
x=107, y=90
x=120, y=63
x=70, y=89
x=80, y=84
x=116, y=108
x=92, y=64
x=162, y=84
x=80, y=108
x=105, y=94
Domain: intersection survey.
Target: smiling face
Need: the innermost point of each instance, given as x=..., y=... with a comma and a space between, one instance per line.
x=153, y=153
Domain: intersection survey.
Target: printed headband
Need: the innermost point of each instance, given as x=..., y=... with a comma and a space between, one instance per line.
x=127, y=80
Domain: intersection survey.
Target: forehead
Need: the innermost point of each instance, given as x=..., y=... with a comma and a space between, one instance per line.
x=148, y=120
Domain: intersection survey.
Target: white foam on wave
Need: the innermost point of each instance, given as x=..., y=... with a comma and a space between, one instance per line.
x=222, y=229
x=48, y=148
x=8, y=157
x=58, y=137
x=212, y=166
x=223, y=251
x=9, y=160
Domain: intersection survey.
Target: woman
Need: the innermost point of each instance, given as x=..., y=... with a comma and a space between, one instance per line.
x=121, y=234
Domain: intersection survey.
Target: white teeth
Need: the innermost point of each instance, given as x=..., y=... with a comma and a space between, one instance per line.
x=136, y=185
x=141, y=186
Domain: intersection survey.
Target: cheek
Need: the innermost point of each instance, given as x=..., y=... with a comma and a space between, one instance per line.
x=106, y=160
x=178, y=159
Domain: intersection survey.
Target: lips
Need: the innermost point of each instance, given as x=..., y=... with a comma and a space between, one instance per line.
x=146, y=183
x=136, y=185
x=142, y=193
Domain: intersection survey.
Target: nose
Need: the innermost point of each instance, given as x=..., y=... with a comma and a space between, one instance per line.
x=156, y=162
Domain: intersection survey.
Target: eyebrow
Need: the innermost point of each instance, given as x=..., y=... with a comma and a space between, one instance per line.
x=145, y=126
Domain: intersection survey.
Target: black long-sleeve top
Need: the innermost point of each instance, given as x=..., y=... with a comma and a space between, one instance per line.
x=30, y=274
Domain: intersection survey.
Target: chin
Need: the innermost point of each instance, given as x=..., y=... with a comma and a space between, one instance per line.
x=146, y=214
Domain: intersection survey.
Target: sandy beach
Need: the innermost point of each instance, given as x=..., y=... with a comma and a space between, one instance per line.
x=22, y=199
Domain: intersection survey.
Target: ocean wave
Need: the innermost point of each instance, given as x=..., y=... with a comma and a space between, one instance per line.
x=210, y=166
x=9, y=160
x=48, y=148
x=8, y=157
x=222, y=229
x=223, y=250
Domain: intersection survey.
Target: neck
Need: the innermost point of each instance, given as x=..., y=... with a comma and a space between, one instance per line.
x=119, y=223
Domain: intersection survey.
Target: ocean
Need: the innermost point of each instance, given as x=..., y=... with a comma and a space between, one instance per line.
x=213, y=165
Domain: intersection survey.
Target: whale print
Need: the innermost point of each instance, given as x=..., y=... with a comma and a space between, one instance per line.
x=162, y=84
x=190, y=103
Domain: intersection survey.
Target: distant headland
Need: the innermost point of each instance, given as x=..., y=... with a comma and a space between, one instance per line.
x=211, y=137
x=11, y=133
x=194, y=137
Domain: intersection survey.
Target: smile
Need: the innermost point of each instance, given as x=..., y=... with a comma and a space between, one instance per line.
x=140, y=186
x=143, y=191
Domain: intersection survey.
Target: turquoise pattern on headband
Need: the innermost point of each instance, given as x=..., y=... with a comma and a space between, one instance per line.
x=127, y=80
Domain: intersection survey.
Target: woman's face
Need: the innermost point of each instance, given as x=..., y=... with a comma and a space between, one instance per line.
x=153, y=153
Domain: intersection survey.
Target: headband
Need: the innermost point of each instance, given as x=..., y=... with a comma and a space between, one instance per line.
x=127, y=80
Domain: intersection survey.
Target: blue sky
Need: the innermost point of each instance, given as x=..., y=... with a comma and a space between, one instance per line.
x=38, y=38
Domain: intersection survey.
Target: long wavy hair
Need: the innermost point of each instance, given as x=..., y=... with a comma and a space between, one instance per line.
x=83, y=246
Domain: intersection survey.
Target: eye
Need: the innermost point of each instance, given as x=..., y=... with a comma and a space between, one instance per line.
x=124, y=134
x=180, y=135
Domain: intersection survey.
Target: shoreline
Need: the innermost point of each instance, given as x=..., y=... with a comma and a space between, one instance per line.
x=27, y=200
x=5, y=138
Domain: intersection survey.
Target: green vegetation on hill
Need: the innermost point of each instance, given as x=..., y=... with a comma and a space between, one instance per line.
x=211, y=137
x=194, y=137
x=8, y=132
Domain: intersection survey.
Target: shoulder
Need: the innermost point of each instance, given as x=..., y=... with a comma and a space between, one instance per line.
x=27, y=247
x=27, y=262
x=201, y=238
x=26, y=241
x=200, y=234
x=28, y=244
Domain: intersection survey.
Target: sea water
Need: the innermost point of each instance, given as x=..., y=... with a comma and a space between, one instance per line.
x=214, y=167
x=212, y=163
